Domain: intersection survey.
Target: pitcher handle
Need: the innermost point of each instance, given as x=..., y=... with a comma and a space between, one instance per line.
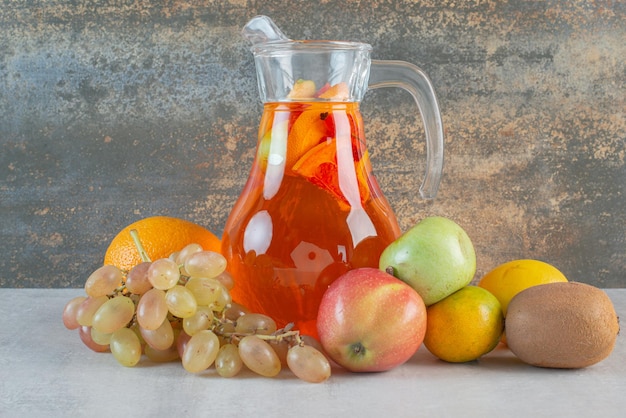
x=384, y=73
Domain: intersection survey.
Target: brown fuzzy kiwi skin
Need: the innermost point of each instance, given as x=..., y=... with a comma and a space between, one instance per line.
x=566, y=325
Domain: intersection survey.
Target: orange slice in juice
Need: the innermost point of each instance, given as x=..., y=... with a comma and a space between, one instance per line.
x=319, y=166
x=308, y=130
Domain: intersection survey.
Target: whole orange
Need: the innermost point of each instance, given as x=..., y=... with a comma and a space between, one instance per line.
x=160, y=237
x=464, y=326
x=508, y=279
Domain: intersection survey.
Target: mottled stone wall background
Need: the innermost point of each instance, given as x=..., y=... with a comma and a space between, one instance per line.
x=111, y=111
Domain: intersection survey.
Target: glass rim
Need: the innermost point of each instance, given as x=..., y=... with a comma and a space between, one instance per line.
x=307, y=46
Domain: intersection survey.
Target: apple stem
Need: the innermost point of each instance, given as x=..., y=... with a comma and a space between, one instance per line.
x=389, y=270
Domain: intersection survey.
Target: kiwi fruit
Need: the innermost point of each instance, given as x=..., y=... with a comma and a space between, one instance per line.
x=564, y=325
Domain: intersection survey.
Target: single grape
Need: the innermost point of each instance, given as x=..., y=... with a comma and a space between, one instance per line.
x=137, y=279
x=201, y=320
x=200, y=351
x=114, y=314
x=226, y=279
x=206, y=291
x=85, y=336
x=188, y=250
x=313, y=342
x=86, y=310
x=103, y=281
x=125, y=347
x=223, y=299
x=161, y=338
x=205, y=264
x=69, y=312
x=163, y=274
x=181, y=302
x=259, y=356
x=255, y=323
x=228, y=362
x=152, y=309
x=308, y=364
x=99, y=337
x=235, y=310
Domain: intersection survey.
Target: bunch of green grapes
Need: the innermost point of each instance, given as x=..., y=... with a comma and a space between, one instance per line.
x=180, y=308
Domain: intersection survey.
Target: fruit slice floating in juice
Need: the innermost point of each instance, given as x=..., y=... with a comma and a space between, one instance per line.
x=308, y=130
x=319, y=166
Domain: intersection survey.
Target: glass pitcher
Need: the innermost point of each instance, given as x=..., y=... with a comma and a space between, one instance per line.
x=311, y=208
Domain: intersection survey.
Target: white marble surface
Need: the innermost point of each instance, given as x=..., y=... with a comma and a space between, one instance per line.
x=45, y=371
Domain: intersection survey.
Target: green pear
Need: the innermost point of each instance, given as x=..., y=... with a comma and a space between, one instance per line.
x=435, y=257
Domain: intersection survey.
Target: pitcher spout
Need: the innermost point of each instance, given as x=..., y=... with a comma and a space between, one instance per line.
x=261, y=29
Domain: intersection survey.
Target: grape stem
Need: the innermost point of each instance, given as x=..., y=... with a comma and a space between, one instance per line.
x=142, y=252
x=278, y=335
x=271, y=337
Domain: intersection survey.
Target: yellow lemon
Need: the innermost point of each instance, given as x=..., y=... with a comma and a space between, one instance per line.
x=508, y=279
x=464, y=326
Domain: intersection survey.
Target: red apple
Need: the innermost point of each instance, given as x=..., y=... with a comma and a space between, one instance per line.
x=369, y=321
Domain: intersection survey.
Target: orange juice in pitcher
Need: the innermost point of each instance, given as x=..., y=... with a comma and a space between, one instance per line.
x=311, y=209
